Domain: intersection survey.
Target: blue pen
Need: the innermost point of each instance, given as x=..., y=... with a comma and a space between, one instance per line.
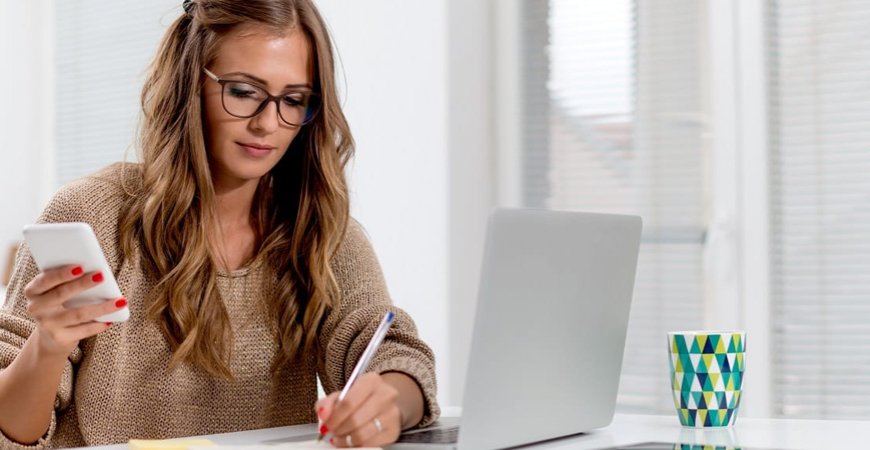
x=367, y=356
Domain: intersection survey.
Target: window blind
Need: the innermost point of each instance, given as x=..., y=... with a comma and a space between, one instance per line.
x=103, y=48
x=613, y=122
x=819, y=80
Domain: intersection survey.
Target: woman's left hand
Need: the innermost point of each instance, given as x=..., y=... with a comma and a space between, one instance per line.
x=369, y=416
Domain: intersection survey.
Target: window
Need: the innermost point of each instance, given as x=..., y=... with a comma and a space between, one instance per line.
x=740, y=131
x=102, y=48
x=614, y=118
x=820, y=207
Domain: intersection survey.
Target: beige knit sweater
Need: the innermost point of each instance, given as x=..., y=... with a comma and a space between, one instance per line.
x=116, y=385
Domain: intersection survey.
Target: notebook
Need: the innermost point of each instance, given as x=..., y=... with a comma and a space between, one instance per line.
x=205, y=444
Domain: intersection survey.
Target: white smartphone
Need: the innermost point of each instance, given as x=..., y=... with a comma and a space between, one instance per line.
x=60, y=244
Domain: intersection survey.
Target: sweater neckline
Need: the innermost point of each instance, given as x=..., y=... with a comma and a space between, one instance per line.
x=238, y=273
x=241, y=271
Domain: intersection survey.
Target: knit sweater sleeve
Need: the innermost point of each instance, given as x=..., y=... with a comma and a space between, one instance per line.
x=85, y=200
x=351, y=324
x=16, y=325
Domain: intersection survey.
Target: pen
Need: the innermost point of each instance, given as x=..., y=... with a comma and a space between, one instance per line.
x=366, y=357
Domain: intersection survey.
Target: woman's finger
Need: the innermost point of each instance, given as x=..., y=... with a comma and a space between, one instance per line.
x=382, y=429
x=363, y=416
x=65, y=291
x=48, y=279
x=57, y=339
x=70, y=317
x=323, y=408
x=357, y=395
x=56, y=324
x=82, y=331
x=388, y=434
x=51, y=302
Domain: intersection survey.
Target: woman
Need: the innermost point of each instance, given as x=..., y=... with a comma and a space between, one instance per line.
x=245, y=277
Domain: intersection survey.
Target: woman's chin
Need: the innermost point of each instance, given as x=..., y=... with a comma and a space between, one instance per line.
x=240, y=175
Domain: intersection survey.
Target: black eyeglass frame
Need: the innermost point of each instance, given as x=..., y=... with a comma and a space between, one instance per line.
x=313, y=107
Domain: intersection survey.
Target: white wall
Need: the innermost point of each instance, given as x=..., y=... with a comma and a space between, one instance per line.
x=417, y=98
x=394, y=56
x=26, y=116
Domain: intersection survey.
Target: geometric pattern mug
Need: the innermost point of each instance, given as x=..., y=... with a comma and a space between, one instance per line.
x=707, y=376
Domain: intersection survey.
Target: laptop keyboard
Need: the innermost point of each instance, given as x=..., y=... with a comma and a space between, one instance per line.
x=446, y=435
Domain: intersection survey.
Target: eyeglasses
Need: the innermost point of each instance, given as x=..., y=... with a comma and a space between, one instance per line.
x=244, y=100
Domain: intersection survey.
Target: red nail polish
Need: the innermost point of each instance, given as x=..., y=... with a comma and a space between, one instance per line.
x=120, y=303
x=320, y=411
x=108, y=324
x=97, y=278
x=77, y=270
x=323, y=430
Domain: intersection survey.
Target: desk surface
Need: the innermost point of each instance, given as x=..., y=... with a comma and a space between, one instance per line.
x=767, y=434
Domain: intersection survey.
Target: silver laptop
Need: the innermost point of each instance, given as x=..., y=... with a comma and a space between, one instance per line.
x=549, y=331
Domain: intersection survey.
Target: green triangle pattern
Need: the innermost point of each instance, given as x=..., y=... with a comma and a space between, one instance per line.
x=707, y=377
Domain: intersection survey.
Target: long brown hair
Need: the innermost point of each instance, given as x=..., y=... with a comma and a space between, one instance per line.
x=300, y=211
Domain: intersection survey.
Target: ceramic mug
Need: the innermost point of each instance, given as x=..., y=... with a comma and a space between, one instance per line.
x=707, y=376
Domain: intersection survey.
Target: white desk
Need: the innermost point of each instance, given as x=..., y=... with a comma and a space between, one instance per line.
x=626, y=429
x=747, y=433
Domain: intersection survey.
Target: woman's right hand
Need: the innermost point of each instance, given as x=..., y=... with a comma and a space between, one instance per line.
x=59, y=329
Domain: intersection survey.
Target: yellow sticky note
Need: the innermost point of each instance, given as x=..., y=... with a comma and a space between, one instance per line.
x=167, y=444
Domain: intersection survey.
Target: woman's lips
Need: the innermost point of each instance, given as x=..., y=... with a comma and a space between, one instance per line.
x=255, y=150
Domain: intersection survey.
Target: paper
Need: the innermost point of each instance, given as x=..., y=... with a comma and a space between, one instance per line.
x=304, y=445
x=205, y=444
x=168, y=444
